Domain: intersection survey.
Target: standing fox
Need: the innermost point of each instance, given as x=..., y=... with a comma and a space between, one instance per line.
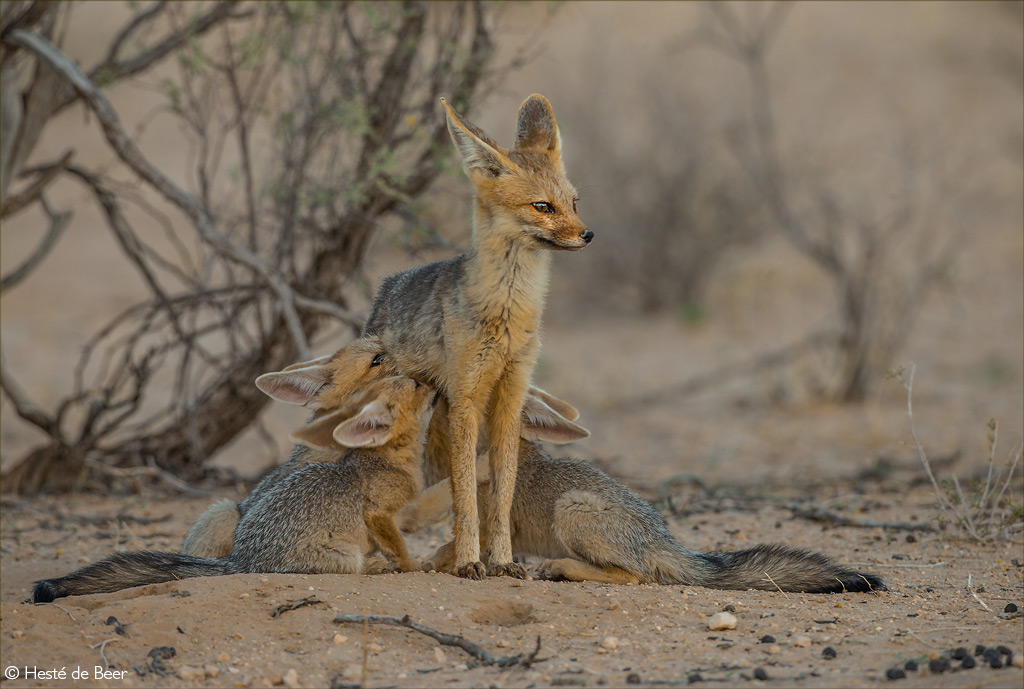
x=470, y=325
x=322, y=518
x=591, y=527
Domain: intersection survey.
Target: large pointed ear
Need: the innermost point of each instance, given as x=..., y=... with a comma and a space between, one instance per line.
x=536, y=129
x=318, y=434
x=561, y=406
x=371, y=427
x=319, y=361
x=542, y=423
x=294, y=385
x=480, y=154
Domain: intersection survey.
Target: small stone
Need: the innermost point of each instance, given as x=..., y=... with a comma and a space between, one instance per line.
x=775, y=648
x=503, y=643
x=439, y=656
x=243, y=596
x=275, y=679
x=339, y=639
x=632, y=678
x=223, y=657
x=767, y=639
x=828, y=653
x=17, y=634
x=374, y=647
x=938, y=665
x=761, y=674
x=722, y=620
x=729, y=608
x=802, y=641
x=910, y=666
x=895, y=673
x=211, y=671
x=291, y=679
x=263, y=580
x=610, y=643
x=968, y=663
x=191, y=673
x=1010, y=607
x=1017, y=660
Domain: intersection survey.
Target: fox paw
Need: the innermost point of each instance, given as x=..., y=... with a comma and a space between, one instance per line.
x=471, y=570
x=551, y=570
x=377, y=565
x=508, y=569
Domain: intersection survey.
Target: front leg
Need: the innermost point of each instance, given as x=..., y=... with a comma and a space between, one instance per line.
x=384, y=531
x=504, y=427
x=464, y=418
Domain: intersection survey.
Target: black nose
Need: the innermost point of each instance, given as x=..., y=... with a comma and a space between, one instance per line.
x=587, y=236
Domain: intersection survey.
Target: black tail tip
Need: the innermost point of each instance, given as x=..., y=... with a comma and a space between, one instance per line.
x=863, y=583
x=45, y=592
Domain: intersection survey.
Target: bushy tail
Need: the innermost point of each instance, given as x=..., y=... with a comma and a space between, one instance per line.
x=774, y=567
x=125, y=570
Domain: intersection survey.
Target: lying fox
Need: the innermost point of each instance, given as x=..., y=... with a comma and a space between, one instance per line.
x=591, y=527
x=321, y=518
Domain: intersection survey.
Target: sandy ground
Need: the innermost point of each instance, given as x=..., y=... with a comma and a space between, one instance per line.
x=759, y=444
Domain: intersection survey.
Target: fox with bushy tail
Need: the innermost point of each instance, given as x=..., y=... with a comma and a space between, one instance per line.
x=322, y=518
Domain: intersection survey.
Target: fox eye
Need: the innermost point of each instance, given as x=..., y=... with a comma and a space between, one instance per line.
x=377, y=360
x=543, y=207
x=574, y=205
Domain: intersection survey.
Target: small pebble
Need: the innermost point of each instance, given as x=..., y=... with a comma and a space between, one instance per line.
x=1010, y=607
x=828, y=653
x=802, y=641
x=910, y=666
x=722, y=620
x=895, y=673
x=1017, y=660
x=339, y=639
x=439, y=655
x=632, y=678
x=938, y=665
x=968, y=663
x=775, y=648
x=223, y=657
x=291, y=679
x=767, y=639
x=958, y=653
x=211, y=671
x=17, y=634
x=374, y=648
x=610, y=643
x=729, y=608
x=761, y=674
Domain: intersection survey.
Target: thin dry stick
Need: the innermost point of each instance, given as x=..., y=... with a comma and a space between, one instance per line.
x=69, y=614
x=469, y=647
x=823, y=516
x=973, y=593
x=102, y=646
x=777, y=586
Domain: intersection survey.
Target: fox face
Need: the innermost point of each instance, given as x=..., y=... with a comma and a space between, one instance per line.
x=522, y=193
x=330, y=382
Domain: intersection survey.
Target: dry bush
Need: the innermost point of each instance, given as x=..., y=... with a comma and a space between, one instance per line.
x=992, y=508
x=306, y=125
x=882, y=238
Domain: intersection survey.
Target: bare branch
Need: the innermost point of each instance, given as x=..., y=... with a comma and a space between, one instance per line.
x=58, y=223
x=26, y=408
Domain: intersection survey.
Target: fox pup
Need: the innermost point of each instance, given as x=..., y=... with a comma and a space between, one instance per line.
x=469, y=325
x=322, y=518
x=592, y=527
x=327, y=385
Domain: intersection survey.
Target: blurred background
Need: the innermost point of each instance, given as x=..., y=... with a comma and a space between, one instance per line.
x=789, y=201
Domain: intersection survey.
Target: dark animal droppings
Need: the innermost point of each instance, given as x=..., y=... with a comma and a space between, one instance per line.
x=761, y=674
x=767, y=639
x=910, y=666
x=938, y=665
x=828, y=653
x=895, y=673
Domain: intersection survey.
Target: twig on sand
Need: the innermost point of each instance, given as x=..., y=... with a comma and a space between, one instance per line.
x=776, y=585
x=466, y=645
x=295, y=605
x=102, y=646
x=820, y=515
x=973, y=593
